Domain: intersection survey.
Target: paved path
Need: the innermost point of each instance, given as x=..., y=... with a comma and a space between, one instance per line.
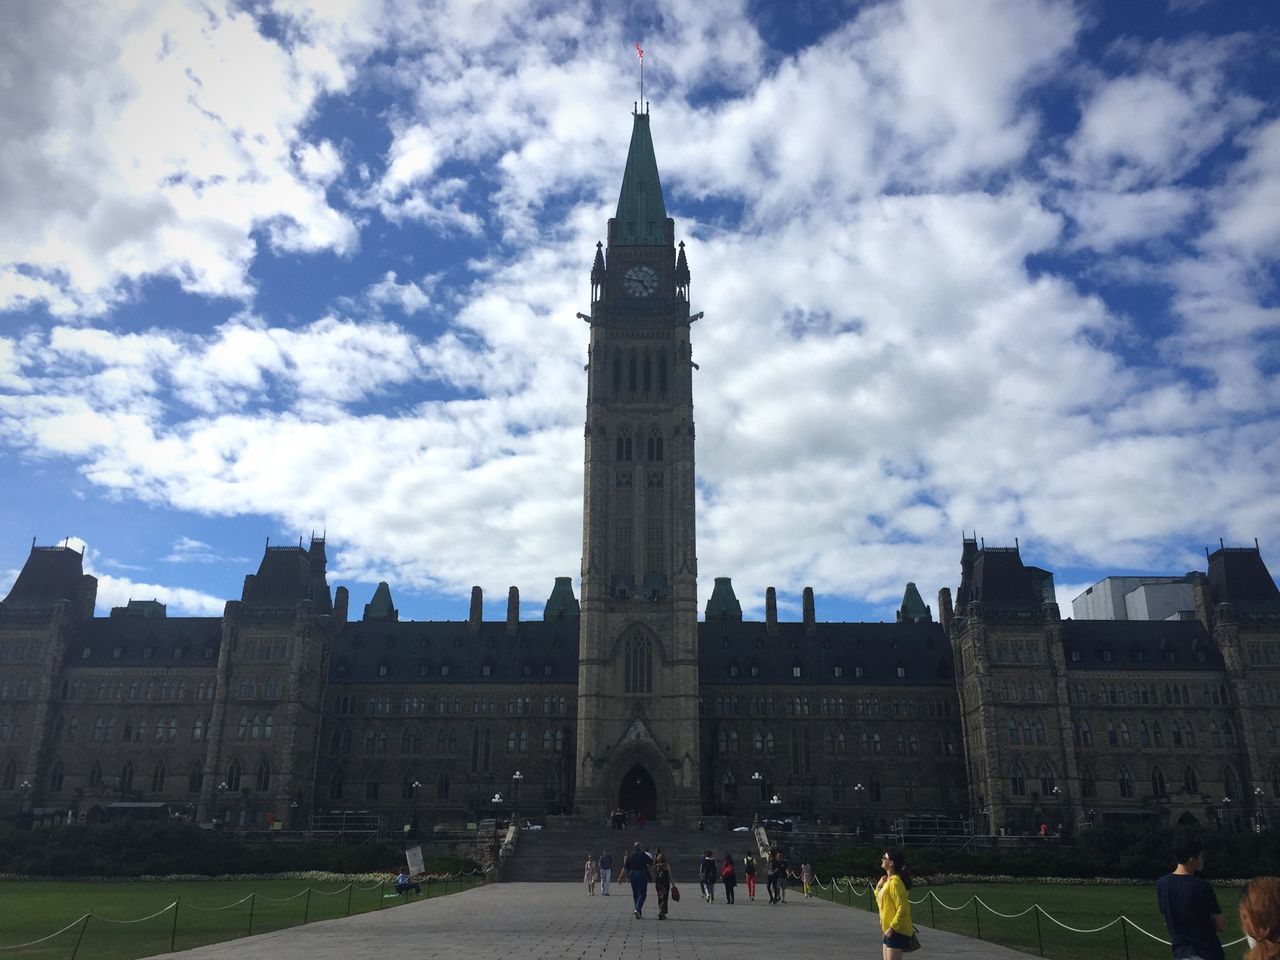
x=529, y=921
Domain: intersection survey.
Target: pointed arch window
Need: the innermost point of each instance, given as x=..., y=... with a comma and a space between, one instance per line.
x=1190, y=781
x=1230, y=784
x=195, y=777
x=95, y=774
x=442, y=786
x=639, y=664
x=1158, y=787
x=233, y=775
x=336, y=784
x=1017, y=781
x=1124, y=780
x=158, y=777
x=56, y=777
x=126, y=777
x=729, y=787
x=1048, y=780
x=653, y=447
x=622, y=446
x=262, y=776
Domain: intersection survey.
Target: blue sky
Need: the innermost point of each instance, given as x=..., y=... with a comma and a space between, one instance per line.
x=273, y=268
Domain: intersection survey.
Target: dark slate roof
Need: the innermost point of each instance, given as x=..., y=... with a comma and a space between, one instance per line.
x=879, y=648
x=49, y=575
x=284, y=579
x=134, y=635
x=1238, y=575
x=1001, y=582
x=1140, y=645
x=405, y=647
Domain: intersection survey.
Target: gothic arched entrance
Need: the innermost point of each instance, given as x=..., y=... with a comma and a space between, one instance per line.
x=638, y=792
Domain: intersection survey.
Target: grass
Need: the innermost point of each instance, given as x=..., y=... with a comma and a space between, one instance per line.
x=1084, y=906
x=208, y=911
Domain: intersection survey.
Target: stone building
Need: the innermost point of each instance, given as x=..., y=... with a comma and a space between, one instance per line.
x=286, y=706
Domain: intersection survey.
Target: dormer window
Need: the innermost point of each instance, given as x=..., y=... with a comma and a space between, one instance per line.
x=444, y=669
x=733, y=669
x=86, y=653
x=179, y=652
x=1074, y=655
x=117, y=653
x=148, y=653
x=382, y=669
x=342, y=668
x=795, y=671
x=1105, y=653
x=859, y=672
x=755, y=670
x=837, y=672
x=901, y=672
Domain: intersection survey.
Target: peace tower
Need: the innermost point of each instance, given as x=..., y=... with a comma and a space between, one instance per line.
x=638, y=638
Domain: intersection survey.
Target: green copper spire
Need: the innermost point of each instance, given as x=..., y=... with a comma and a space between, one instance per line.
x=642, y=214
x=723, y=604
x=381, y=607
x=913, y=609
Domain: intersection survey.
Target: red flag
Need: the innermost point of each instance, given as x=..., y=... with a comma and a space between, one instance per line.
x=639, y=52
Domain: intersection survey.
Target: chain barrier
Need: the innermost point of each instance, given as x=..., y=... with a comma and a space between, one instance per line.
x=250, y=898
x=975, y=901
x=56, y=933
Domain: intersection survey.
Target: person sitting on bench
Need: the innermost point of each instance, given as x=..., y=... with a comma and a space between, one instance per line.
x=405, y=883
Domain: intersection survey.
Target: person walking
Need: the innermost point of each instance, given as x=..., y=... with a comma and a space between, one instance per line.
x=1189, y=905
x=784, y=871
x=806, y=877
x=749, y=868
x=894, y=905
x=771, y=876
x=729, y=877
x=707, y=873
x=637, y=867
x=606, y=872
x=662, y=883
x=591, y=875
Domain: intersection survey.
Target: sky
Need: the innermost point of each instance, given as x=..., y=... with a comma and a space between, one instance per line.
x=273, y=268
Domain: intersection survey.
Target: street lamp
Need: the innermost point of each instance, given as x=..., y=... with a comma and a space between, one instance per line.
x=417, y=785
x=24, y=798
x=859, y=791
x=516, y=778
x=1259, y=822
x=758, y=779
x=774, y=803
x=1226, y=810
x=222, y=789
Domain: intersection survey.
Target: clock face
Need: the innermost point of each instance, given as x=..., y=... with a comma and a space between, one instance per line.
x=640, y=281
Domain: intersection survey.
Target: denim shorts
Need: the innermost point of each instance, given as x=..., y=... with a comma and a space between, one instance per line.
x=897, y=941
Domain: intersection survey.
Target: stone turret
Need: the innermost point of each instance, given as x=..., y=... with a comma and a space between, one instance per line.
x=513, y=611
x=810, y=615
x=771, y=612
x=476, y=616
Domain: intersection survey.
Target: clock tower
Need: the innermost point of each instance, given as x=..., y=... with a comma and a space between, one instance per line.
x=638, y=656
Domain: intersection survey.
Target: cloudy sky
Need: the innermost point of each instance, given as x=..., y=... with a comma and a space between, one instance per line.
x=276, y=267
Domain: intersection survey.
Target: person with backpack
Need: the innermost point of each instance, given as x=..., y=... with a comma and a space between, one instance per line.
x=707, y=874
x=749, y=868
x=729, y=877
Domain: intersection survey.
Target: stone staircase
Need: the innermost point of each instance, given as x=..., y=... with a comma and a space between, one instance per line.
x=558, y=852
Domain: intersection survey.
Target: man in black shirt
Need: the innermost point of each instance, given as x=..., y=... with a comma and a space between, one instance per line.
x=637, y=867
x=1190, y=906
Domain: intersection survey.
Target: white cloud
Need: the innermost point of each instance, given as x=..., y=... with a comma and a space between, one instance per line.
x=190, y=550
x=143, y=140
x=410, y=297
x=116, y=591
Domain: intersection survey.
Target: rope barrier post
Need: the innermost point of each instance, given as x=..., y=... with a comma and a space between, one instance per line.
x=350, y=887
x=1039, y=938
x=933, y=917
x=76, y=949
x=173, y=934
x=253, y=899
x=306, y=910
x=976, y=918
x=1124, y=935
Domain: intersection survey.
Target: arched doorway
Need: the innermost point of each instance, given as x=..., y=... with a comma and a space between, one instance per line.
x=638, y=792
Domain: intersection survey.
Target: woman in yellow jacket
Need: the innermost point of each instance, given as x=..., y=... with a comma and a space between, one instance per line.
x=895, y=908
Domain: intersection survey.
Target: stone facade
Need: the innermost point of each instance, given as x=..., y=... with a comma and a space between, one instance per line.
x=284, y=706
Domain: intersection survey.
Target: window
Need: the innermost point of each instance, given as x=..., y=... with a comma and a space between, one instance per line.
x=1230, y=784
x=639, y=664
x=1018, y=781
x=336, y=785
x=126, y=777
x=55, y=778
x=1124, y=780
x=901, y=671
x=653, y=448
x=1190, y=782
x=795, y=671
x=195, y=777
x=233, y=775
x=1157, y=782
x=623, y=443
x=95, y=774
x=1047, y=780
x=1013, y=731
x=1088, y=782
x=442, y=786
x=158, y=776
x=262, y=776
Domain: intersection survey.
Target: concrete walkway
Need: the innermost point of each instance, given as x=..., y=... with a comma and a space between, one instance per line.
x=524, y=921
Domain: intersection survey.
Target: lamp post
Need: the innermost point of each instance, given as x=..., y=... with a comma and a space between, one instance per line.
x=1259, y=821
x=758, y=779
x=24, y=801
x=516, y=779
x=221, y=790
x=774, y=803
x=1226, y=810
x=417, y=785
x=1056, y=792
x=497, y=806
x=860, y=791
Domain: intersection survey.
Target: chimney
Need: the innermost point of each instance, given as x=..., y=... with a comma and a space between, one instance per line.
x=477, y=611
x=513, y=611
x=341, y=599
x=1200, y=591
x=771, y=612
x=944, y=609
x=810, y=620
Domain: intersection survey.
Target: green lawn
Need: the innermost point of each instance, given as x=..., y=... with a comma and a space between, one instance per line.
x=1085, y=907
x=207, y=911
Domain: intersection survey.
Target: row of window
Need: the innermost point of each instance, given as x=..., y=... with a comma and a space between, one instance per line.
x=412, y=787
x=1181, y=733
x=868, y=707
x=426, y=668
x=1168, y=653
x=160, y=689
x=414, y=740
x=1147, y=694
x=1124, y=782
x=127, y=780
x=178, y=652
x=836, y=742
x=351, y=705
